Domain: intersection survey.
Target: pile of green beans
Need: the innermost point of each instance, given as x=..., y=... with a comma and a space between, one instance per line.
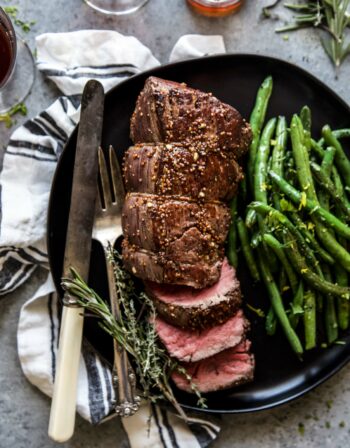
x=292, y=225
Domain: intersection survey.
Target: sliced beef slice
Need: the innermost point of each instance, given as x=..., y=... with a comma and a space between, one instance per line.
x=177, y=227
x=182, y=170
x=192, y=346
x=167, y=111
x=160, y=268
x=226, y=369
x=194, y=309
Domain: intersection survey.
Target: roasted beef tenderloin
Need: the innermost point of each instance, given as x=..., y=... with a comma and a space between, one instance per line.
x=178, y=227
x=193, y=309
x=167, y=112
x=228, y=368
x=192, y=346
x=181, y=170
x=181, y=167
x=161, y=268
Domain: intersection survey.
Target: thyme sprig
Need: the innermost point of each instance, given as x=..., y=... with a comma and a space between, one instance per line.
x=332, y=16
x=136, y=333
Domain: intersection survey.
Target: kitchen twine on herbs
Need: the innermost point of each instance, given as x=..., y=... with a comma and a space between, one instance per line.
x=29, y=163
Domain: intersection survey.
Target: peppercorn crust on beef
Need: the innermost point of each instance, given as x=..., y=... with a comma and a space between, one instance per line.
x=167, y=112
x=181, y=171
x=183, y=164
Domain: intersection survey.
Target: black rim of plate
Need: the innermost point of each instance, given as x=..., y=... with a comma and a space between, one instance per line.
x=307, y=385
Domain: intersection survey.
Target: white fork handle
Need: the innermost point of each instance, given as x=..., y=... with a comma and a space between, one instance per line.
x=62, y=415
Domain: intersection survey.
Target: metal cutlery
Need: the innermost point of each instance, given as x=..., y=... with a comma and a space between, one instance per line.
x=77, y=255
x=107, y=229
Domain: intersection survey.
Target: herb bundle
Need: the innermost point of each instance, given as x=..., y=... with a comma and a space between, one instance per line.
x=136, y=333
x=332, y=16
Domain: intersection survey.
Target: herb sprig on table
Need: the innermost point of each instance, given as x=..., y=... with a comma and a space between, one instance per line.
x=12, y=11
x=332, y=16
x=136, y=333
x=7, y=116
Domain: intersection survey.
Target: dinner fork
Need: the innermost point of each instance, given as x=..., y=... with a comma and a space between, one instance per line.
x=107, y=228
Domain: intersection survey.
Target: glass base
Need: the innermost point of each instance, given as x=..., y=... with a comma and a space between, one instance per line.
x=116, y=7
x=18, y=87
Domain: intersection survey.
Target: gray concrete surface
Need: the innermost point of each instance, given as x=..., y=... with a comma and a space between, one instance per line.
x=23, y=409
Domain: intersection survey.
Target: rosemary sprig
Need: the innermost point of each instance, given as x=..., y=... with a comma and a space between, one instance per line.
x=136, y=333
x=332, y=16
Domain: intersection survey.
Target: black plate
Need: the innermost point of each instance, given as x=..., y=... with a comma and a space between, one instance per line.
x=234, y=79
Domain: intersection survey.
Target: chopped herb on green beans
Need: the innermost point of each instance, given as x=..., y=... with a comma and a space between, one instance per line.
x=295, y=236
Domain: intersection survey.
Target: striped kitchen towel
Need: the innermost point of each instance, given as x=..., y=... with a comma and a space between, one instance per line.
x=28, y=167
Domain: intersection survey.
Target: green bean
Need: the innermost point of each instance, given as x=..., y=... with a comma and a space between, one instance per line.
x=311, y=205
x=339, y=185
x=247, y=251
x=277, y=304
x=277, y=247
x=260, y=173
x=301, y=267
x=257, y=119
x=255, y=240
x=329, y=188
x=306, y=182
x=250, y=219
x=310, y=239
x=305, y=119
x=338, y=133
x=271, y=322
x=278, y=153
x=279, y=149
x=343, y=305
x=310, y=319
x=326, y=166
x=336, y=250
x=327, y=161
x=260, y=185
x=330, y=313
x=317, y=149
x=298, y=303
x=269, y=211
x=341, y=160
x=232, y=235
x=301, y=158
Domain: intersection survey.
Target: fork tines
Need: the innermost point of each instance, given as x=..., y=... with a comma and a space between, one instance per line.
x=112, y=192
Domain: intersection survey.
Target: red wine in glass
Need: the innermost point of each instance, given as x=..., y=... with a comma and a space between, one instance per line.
x=7, y=48
x=17, y=69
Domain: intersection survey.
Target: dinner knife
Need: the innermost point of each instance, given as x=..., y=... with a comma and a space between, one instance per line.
x=77, y=255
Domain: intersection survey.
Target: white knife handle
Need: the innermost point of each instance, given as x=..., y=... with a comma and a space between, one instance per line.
x=62, y=415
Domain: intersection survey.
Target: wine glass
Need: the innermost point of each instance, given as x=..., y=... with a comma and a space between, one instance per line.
x=17, y=67
x=116, y=7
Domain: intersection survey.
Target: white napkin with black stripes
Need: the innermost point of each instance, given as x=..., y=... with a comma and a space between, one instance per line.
x=29, y=164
